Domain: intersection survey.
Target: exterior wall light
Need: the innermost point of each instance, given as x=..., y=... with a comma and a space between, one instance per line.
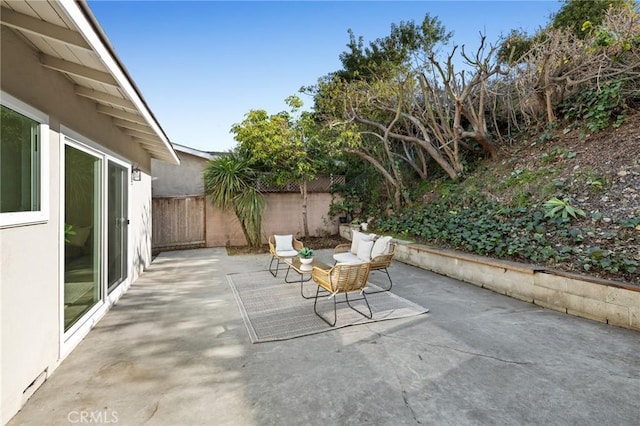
x=136, y=174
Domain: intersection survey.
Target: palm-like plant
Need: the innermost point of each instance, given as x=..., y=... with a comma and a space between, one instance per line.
x=229, y=181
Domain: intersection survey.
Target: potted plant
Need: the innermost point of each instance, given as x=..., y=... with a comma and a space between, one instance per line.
x=305, y=255
x=340, y=209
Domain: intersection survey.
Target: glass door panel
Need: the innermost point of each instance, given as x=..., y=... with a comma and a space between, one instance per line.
x=117, y=225
x=83, y=236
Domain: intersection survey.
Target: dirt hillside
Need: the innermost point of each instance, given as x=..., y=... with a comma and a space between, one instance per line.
x=598, y=173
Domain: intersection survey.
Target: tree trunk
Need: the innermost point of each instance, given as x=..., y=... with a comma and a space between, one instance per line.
x=305, y=222
x=544, y=90
x=243, y=226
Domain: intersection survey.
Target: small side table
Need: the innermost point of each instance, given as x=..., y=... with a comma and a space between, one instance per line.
x=295, y=264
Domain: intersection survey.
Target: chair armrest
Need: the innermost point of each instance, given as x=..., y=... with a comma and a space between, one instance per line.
x=321, y=273
x=384, y=260
x=381, y=261
x=322, y=277
x=272, y=245
x=342, y=248
x=297, y=245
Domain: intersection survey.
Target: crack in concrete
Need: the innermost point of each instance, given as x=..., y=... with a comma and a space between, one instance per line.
x=406, y=404
x=403, y=392
x=507, y=361
x=153, y=413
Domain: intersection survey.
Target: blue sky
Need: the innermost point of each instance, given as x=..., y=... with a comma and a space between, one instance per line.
x=202, y=65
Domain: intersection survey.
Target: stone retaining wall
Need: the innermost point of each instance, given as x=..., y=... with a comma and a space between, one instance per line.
x=607, y=301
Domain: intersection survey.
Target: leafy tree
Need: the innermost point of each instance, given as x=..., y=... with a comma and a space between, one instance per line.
x=514, y=46
x=363, y=103
x=574, y=13
x=560, y=64
x=407, y=41
x=396, y=102
x=287, y=145
x=584, y=42
x=229, y=181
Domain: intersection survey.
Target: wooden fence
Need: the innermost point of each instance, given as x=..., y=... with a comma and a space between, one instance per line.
x=178, y=222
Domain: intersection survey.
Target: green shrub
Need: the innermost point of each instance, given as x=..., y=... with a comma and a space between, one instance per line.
x=498, y=230
x=561, y=208
x=599, y=106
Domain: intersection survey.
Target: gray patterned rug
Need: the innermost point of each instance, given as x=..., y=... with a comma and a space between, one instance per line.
x=273, y=310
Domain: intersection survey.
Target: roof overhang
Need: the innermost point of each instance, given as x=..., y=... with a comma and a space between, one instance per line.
x=195, y=152
x=69, y=40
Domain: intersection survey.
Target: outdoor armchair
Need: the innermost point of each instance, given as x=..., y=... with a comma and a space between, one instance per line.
x=282, y=247
x=343, y=254
x=342, y=279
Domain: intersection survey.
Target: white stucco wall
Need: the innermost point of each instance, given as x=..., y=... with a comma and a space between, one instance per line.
x=29, y=294
x=140, y=225
x=30, y=256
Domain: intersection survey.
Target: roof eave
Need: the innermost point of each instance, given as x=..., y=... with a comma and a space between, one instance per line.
x=86, y=23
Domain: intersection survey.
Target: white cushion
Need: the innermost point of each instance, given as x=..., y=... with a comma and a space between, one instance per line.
x=355, y=239
x=358, y=236
x=286, y=253
x=346, y=258
x=364, y=250
x=381, y=246
x=284, y=242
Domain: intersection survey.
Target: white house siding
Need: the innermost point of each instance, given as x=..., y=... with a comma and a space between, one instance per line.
x=30, y=256
x=140, y=225
x=28, y=304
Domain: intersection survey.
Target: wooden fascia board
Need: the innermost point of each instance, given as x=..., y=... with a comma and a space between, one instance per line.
x=77, y=70
x=141, y=135
x=126, y=124
x=148, y=145
x=85, y=25
x=35, y=26
x=104, y=98
x=113, y=112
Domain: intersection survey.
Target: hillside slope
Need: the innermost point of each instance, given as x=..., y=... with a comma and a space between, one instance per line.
x=597, y=173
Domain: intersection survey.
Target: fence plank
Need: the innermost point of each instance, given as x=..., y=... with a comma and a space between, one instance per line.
x=178, y=222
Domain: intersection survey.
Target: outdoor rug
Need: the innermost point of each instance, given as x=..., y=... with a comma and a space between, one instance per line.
x=273, y=310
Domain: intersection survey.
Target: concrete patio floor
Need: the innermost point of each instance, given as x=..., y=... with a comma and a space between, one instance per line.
x=174, y=351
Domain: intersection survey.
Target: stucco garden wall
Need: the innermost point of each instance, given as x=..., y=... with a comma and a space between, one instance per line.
x=283, y=215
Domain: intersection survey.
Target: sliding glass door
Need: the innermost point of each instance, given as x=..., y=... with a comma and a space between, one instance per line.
x=117, y=225
x=96, y=231
x=83, y=233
